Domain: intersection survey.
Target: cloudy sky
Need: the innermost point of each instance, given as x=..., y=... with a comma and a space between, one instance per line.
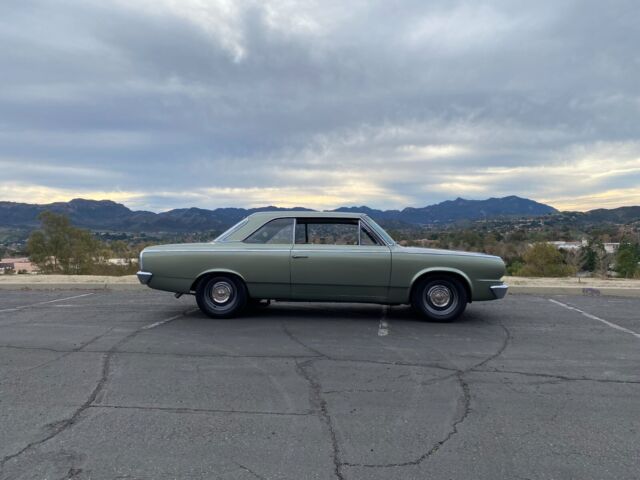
x=162, y=104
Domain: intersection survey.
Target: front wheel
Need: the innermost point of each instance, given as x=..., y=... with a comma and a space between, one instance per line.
x=221, y=296
x=439, y=299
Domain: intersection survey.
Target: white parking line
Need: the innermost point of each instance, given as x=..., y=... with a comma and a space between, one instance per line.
x=383, y=326
x=167, y=320
x=43, y=303
x=593, y=317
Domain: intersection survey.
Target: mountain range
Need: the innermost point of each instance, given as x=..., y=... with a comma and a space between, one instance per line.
x=109, y=215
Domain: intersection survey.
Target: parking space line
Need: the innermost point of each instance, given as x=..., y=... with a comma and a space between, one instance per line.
x=383, y=326
x=167, y=320
x=44, y=303
x=593, y=317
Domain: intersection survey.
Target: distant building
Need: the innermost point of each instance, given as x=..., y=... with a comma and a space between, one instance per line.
x=17, y=265
x=609, y=247
x=122, y=261
x=568, y=245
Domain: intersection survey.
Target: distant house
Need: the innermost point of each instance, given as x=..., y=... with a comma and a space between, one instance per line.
x=609, y=247
x=568, y=245
x=17, y=265
x=122, y=261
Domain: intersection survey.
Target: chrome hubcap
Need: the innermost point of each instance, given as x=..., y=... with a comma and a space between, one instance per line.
x=439, y=295
x=221, y=292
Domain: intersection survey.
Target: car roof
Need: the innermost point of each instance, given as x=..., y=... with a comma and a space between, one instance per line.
x=258, y=219
x=305, y=214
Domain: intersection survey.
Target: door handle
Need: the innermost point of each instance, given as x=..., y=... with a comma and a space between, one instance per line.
x=299, y=256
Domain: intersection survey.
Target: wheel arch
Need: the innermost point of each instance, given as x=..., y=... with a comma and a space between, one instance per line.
x=446, y=272
x=217, y=271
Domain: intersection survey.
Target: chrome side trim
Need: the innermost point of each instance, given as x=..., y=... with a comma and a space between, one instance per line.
x=499, y=291
x=144, y=277
x=442, y=251
x=356, y=249
x=293, y=237
x=219, y=250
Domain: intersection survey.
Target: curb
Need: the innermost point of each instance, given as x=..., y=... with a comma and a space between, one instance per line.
x=574, y=290
x=73, y=286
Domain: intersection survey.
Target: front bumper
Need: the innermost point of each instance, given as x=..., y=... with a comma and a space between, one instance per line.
x=499, y=291
x=144, y=277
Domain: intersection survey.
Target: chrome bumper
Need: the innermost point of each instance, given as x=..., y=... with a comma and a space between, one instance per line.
x=499, y=291
x=144, y=277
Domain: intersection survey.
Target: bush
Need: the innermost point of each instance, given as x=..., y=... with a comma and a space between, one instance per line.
x=627, y=258
x=544, y=260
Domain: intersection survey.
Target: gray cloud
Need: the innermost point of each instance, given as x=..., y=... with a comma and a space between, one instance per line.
x=172, y=103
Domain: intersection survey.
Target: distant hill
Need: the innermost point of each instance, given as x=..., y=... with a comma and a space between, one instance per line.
x=615, y=215
x=108, y=215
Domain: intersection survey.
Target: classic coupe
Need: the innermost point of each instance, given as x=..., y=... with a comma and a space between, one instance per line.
x=320, y=256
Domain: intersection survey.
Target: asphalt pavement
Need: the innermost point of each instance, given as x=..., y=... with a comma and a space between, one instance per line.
x=139, y=385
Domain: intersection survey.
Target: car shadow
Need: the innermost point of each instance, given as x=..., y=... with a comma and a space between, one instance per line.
x=352, y=312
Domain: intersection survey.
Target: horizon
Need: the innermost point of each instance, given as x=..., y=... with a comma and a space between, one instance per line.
x=170, y=104
x=271, y=204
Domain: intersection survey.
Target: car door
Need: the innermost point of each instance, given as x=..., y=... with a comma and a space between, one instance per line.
x=337, y=259
x=264, y=259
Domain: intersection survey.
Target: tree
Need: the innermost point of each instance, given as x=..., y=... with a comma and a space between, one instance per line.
x=543, y=260
x=59, y=247
x=603, y=260
x=590, y=256
x=575, y=260
x=627, y=258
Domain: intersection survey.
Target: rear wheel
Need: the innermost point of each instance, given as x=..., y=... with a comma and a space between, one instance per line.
x=439, y=299
x=221, y=296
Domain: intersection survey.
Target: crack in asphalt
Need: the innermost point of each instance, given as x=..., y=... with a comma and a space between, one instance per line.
x=320, y=404
x=563, y=378
x=465, y=411
x=316, y=400
x=200, y=410
x=505, y=341
x=230, y=355
x=295, y=339
x=72, y=473
x=65, y=353
x=61, y=426
x=248, y=470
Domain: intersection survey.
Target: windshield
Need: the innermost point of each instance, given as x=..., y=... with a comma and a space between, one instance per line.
x=227, y=233
x=380, y=231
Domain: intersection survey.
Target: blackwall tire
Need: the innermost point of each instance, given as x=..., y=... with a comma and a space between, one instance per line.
x=221, y=296
x=439, y=299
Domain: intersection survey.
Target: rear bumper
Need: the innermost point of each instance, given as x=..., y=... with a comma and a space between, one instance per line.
x=499, y=291
x=144, y=277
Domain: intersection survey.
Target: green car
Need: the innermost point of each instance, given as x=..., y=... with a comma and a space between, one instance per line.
x=320, y=256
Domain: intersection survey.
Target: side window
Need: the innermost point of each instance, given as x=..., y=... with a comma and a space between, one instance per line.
x=278, y=231
x=366, y=238
x=323, y=232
